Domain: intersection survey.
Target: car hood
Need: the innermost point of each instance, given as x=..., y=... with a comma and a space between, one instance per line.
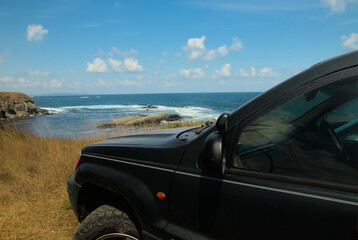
x=152, y=138
x=155, y=148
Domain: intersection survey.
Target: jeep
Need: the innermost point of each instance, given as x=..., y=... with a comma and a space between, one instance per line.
x=282, y=166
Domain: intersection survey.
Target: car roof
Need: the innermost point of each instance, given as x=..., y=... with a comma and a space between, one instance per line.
x=318, y=70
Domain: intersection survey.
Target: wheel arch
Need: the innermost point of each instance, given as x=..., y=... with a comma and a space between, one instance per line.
x=104, y=185
x=92, y=196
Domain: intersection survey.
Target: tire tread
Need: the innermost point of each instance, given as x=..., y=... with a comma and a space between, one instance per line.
x=105, y=219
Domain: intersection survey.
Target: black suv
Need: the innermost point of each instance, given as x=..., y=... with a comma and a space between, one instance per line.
x=282, y=166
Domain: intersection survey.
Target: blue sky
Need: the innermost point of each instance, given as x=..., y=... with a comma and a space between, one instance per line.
x=129, y=46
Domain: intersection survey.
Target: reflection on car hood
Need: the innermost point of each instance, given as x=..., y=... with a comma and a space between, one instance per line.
x=161, y=146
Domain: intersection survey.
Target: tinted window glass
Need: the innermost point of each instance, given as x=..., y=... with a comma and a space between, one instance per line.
x=314, y=136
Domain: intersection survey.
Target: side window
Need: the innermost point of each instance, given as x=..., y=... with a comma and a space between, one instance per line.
x=313, y=136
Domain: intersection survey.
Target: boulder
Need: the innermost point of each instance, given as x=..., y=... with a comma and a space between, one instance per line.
x=148, y=107
x=18, y=105
x=141, y=120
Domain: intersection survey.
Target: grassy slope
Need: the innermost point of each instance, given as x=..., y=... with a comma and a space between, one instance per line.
x=33, y=198
x=13, y=96
x=33, y=175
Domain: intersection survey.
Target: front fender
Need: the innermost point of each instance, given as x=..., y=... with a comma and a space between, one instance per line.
x=136, y=184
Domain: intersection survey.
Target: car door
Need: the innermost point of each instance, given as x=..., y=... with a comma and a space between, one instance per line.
x=289, y=174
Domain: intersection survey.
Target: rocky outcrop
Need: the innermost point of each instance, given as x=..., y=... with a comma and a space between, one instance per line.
x=148, y=107
x=141, y=120
x=18, y=105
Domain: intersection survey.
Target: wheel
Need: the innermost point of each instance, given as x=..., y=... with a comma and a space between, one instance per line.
x=107, y=222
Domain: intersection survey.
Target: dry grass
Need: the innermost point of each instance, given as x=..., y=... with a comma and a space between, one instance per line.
x=33, y=176
x=14, y=96
x=182, y=124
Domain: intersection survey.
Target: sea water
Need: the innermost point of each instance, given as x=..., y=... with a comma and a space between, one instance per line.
x=77, y=116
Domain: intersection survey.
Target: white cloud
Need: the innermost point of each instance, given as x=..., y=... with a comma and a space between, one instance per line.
x=55, y=84
x=131, y=65
x=267, y=72
x=35, y=32
x=213, y=54
x=210, y=55
x=102, y=83
x=243, y=73
x=21, y=82
x=115, y=51
x=98, y=65
x=139, y=77
x=225, y=71
x=88, y=25
x=100, y=53
x=337, y=5
x=124, y=54
x=169, y=84
x=116, y=64
x=172, y=83
x=195, y=73
x=195, y=47
x=130, y=83
x=24, y=83
x=37, y=73
x=6, y=79
x=128, y=65
x=74, y=84
x=251, y=72
x=223, y=51
x=4, y=55
x=236, y=45
x=171, y=77
x=351, y=43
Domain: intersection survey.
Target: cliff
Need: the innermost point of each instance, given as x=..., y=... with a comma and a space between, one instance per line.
x=18, y=105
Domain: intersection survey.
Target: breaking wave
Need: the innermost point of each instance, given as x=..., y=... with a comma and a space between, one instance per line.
x=187, y=112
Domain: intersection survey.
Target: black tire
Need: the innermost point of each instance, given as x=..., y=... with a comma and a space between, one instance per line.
x=106, y=220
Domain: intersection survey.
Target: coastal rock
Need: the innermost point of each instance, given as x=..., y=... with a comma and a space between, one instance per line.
x=18, y=105
x=149, y=107
x=141, y=120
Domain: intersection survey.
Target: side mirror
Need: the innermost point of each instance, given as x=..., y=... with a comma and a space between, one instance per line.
x=221, y=123
x=213, y=158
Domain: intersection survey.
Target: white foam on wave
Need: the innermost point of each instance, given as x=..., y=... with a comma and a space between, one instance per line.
x=54, y=110
x=195, y=113
x=190, y=112
x=92, y=107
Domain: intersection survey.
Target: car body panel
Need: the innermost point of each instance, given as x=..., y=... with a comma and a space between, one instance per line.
x=241, y=202
x=135, y=167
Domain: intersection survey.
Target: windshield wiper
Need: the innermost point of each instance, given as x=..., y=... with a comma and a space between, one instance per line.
x=203, y=127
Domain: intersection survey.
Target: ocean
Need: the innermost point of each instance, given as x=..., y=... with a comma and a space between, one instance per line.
x=78, y=116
